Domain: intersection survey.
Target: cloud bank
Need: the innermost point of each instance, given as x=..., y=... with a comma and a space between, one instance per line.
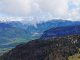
x=40, y=10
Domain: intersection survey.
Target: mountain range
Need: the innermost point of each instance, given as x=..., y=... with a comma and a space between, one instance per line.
x=59, y=48
x=35, y=32
x=61, y=31
x=15, y=32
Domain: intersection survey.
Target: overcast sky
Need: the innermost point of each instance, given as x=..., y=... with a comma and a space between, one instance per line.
x=35, y=11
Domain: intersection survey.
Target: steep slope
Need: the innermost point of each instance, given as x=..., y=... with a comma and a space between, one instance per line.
x=37, y=30
x=4, y=25
x=11, y=36
x=13, y=33
x=61, y=31
x=45, y=25
x=51, y=49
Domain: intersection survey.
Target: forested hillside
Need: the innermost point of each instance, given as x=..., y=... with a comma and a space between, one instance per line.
x=51, y=49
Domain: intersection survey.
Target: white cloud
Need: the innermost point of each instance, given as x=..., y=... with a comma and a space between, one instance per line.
x=56, y=7
x=40, y=10
x=62, y=9
x=7, y=19
x=74, y=10
x=75, y=14
x=17, y=7
x=76, y=2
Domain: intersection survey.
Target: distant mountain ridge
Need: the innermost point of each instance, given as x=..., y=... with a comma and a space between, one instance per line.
x=4, y=25
x=61, y=31
x=56, y=43
x=16, y=32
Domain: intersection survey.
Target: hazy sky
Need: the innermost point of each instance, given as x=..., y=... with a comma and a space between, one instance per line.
x=35, y=11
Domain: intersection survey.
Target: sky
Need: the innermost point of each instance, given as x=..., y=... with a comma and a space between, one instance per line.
x=36, y=11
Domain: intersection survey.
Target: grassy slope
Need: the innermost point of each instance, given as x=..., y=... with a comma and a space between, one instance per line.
x=75, y=57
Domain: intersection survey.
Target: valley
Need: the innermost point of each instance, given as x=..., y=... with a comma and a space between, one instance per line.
x=26, y=42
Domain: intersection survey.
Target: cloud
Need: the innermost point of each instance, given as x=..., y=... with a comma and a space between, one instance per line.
x=17, y=7
x=40, y=10
x=62, y=9
x=55, y=7
x=7, y=19
x=73, y=12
